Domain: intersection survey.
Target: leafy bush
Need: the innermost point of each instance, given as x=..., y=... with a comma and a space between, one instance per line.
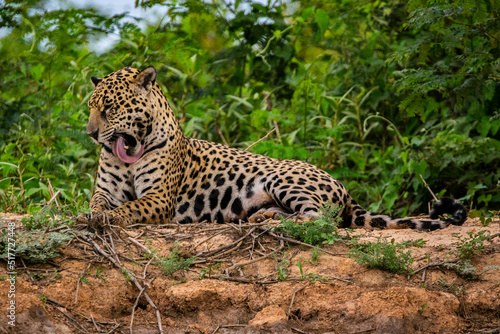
x=466, y=247
x=171, y=263
x=389, y=256
x=321, y=230
x=50, y=217
x=35, y=246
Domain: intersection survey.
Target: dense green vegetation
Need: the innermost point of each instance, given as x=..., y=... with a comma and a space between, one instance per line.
x=373, y=92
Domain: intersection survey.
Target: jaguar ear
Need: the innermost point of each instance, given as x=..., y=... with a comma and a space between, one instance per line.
x=95, y=81
x=146, y=79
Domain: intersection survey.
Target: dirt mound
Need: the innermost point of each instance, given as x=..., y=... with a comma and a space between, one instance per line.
x=247, y=279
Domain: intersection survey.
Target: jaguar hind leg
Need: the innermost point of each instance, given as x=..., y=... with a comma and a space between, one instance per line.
x=273, y=212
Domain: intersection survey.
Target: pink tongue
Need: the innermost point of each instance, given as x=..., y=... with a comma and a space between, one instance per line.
x=121, y=152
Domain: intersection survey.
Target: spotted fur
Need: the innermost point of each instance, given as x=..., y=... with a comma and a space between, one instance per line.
x=189, y=180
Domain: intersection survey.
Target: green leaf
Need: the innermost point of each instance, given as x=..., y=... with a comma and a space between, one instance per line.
x=322, y=20
x=259, y=118
x=37, y=71
x=390, y=196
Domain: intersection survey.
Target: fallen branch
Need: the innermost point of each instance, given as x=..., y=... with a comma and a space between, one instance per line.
x=261, y=139
x=206, y=239
x=56, y=306
x=137, y=303
x=424, y=275
x=129, y=276
x=95, y=325
x=78, y=282
x=54, y=196
x=215, y=330
x=219, y=132
x=428, y=188
x=293, y=298
x=228, y=270
x=435, y=264
x=211, y=253
x=114, y=329
x=493, y=236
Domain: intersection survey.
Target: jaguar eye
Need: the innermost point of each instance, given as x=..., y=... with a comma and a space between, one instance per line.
x=105, y=110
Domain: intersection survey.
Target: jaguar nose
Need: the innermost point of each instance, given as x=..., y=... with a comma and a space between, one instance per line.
x=94, y=134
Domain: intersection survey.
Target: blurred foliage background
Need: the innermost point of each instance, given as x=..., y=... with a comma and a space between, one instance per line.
x=374, y=92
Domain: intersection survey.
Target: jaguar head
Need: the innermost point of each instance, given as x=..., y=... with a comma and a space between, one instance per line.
x=121, y=112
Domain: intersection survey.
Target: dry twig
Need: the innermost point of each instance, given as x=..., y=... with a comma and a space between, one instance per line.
x=72, y=320
x=129, y=276
x=53, y=195
x=220, y=249
x=95, y=325
x=428, y=188
x=78, y=282
x=137, y=303
x=236, y=265
x=293, y=298
x=261, y=139
x=435, y=264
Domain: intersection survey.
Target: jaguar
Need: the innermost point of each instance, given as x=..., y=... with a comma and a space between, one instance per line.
x=149, y=172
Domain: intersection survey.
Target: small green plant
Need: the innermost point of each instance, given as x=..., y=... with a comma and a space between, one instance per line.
x=383, y=255
x=302, y=274
x=56, y=276
x=39, y=220
x=419, y=243
x=444, y=283
x=317, y=278
x=282, y=274
x=422, y=309
x=486, y=217
x=314, y=256
x=36, y=276
x=310, y=276
x=466, y=270
x=282, y=267
x=99, y=273
x=50, y=217
x=466, y=247
x=463, y=268
x=35, y=246
x=208, y=271
x=127, y=275
x=181, y=281
x=43, y=299
x=321, y=230
x=173, y=262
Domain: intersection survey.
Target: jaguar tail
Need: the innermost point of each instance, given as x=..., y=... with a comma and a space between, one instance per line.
x=355, y=217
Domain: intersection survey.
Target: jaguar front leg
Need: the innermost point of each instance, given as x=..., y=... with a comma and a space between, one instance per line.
x=150, y=209
x=99, y=203
x=101, y=211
